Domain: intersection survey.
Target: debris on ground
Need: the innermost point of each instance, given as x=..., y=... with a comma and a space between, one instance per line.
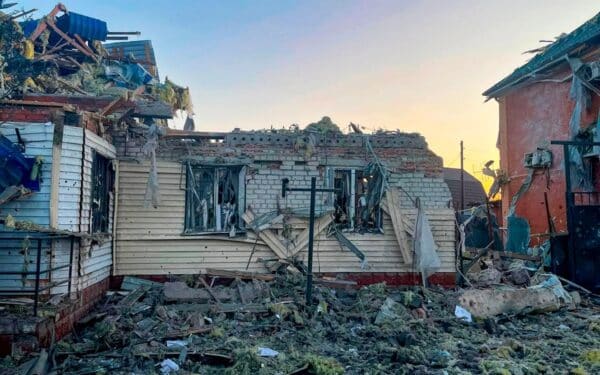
x=264, y=327
x=547, y=296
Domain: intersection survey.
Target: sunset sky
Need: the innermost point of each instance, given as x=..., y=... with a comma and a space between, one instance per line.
x=417, y=66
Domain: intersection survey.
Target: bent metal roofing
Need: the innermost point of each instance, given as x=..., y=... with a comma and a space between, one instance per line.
x=554, y=53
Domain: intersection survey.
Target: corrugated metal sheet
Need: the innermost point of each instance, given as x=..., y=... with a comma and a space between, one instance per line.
x=86, y=27
x=142, y=51
x=149, y=240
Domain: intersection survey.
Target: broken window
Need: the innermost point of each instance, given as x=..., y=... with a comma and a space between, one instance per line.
x=102, y=181
x=214, y=199
x=353, y=206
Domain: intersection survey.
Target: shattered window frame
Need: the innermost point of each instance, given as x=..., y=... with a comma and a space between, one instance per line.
x=356, y=201
x=102, y=179
x=208, y=182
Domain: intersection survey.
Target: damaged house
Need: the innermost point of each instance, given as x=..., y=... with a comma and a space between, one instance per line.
x=218, y=203
x=94, y=184
x=60, y=93
x=550, y=190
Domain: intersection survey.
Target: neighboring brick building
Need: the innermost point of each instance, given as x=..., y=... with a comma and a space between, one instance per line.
x=555, y=97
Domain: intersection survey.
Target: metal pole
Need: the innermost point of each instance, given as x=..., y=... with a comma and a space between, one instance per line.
x=462, y=177
x=490, y=227
x=569, y=201
x=38, y=267
x=71, y=264
x=311, y=231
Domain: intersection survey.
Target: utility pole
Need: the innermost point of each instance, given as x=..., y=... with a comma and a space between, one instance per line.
x=311, y=227
x=462, y=177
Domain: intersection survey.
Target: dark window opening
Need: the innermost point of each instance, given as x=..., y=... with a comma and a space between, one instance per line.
x=342, y=182
x=368, y=213
x=355, y=207
x=214, y=199
x=102, y=185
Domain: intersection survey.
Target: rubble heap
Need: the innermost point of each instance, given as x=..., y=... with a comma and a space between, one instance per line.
x=65, y=55
x=256, y=326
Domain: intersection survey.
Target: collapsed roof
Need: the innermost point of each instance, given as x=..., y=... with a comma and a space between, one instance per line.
x=575, y=44
x=63, y=54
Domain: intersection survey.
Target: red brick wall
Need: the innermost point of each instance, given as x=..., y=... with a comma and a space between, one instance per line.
x=529, y=117
x=25, y=114
x=72, y=313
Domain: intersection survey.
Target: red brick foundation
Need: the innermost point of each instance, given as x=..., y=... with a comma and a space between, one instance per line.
x=71, y=313
x=443, y=279
x=27, y=333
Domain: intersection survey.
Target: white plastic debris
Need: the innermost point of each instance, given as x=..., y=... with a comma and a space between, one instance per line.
x=176, y=343
x=167, y=366
x=564, y=327
x=427, y=259
x=462, y=314
x=267, y=352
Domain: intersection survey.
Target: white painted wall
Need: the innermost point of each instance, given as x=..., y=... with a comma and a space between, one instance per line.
x=92, y=262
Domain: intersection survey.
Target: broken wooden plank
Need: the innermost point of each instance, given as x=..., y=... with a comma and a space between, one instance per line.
x=240, y=291
x=508, y=254
x=223, y=308
x=268, y=237
x=335, y=283
x=131, y=298
x=176, y=334
x=408, y=225
x=345, y=242
x=20, y=301
x=244, y=275
x=209, y=289
x=393, y=204
x=132, y=283
x=179, y=291
x=302, y=239
x=41, y=365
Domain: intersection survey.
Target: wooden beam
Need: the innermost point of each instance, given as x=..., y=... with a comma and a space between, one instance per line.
x=302, y=239
x=268, y=237
x=244, y=275
x=393, y=204
x=508, y=254
x=55, y=177
x=408, y=225
x=83, y=44
x=26, y=103
x=42, y=25
x=73, y=42
x=111, y=107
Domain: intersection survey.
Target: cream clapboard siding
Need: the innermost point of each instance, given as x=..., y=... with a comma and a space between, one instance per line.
x=96, y=260
x=35, y=208
x=68, y=206
x=92, y=263
x=149, y=240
